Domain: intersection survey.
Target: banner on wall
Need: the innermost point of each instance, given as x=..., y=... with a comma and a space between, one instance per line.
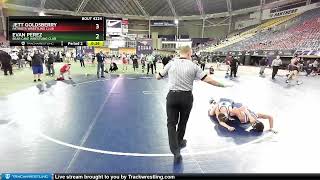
x=144, y=46
x=284, y=13
x=125, y=26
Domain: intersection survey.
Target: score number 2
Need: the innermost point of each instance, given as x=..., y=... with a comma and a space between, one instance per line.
x=97, y=27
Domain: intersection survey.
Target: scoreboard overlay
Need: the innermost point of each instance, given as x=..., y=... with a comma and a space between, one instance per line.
x=55, y=30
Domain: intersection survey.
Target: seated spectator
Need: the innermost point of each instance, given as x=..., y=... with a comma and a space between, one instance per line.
x=113, y=67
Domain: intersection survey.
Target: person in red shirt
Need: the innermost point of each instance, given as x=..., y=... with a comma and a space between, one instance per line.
x=63, y=70
x=125, y=62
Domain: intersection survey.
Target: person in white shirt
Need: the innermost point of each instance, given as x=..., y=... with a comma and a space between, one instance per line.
x=276, y=63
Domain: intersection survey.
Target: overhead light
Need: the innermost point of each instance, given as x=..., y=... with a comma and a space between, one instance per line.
x=176, y=21
x=41, y=13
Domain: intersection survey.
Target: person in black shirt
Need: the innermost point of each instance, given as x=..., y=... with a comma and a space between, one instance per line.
x=135, y=62
x=234, y=67
x=165, y=61
x=37, y=65
x=20, y=65
x=203, y=62
x=50, y=64
x=100, y=66
x=155, y=63
x=5, y=60
x=263, y=63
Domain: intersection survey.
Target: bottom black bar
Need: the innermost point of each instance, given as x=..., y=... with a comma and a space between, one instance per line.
x=183, y=176
x=62, y=43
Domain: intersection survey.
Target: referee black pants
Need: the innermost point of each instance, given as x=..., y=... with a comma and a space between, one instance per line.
x=150, y=66
x=233, y=71
x=274, y=71
x=179, y=105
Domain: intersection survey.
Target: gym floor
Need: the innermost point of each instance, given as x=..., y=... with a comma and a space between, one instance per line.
x=118, y=125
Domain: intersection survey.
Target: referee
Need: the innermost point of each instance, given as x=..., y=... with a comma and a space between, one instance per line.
x=181, y=73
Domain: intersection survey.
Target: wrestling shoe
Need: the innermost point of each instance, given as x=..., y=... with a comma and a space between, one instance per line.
x=177, y=158
x=183, y=144
x=212, y=101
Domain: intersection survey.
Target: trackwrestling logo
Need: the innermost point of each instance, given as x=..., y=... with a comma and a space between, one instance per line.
x=26, y=176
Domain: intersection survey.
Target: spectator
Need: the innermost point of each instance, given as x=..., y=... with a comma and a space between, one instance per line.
x=203, y=62
x=20, y=60
x=100, y=66
x=125, y=62
x=150, y=59
x=143, y=62
x=276, y=63
x=263, y=63
x=165, y=60
x=315, y=67
x=50, y=64
x=155, y=59
x=5, y=59
x=234, y=64
x=113, y=67
x=37, y=65
x=135, y=62
x=81, y=59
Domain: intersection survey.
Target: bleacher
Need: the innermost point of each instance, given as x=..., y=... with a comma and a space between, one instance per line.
x=238, y=39
x=303, y=33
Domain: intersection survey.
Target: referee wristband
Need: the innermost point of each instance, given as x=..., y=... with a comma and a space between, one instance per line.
x=161, y=75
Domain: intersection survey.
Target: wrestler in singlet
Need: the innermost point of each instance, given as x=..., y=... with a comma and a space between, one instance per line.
x=232, y=110
x=293, y=66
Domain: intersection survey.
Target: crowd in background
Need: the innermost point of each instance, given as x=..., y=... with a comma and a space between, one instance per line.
x=43, y=59
x=143, y=63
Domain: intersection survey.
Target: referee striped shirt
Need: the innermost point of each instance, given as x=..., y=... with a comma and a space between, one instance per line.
x=181, y=74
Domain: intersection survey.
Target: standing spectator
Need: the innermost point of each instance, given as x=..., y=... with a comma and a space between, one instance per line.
x=155, y=59
x=135, y=62
x=276, y=63
x=5, y=59
x=228, y=60
x=14, y=57
x=124, y=62
x=37, y=65
x=73, y=57
x=58, y=56
x=28, y=58
x=315, y=67
x=234, y=64
x=143, y=62
x=218, y=63
x=93, y=57
x=203, y=60
x=51, y=64
x=20, y=60
x=100, y=66
x=150, y=59
x=81, y=59
x=181, y=73
x=263, y=63
x=68, y=56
